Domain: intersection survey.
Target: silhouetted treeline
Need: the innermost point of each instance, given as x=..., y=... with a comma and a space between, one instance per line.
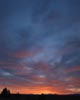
x=39, y=97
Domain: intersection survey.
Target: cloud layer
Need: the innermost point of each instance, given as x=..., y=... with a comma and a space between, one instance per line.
x=40, y=46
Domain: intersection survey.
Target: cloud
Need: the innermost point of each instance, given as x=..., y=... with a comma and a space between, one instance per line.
x=40, y=45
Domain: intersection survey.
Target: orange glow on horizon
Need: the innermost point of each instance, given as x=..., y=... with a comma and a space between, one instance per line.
x=36, y=90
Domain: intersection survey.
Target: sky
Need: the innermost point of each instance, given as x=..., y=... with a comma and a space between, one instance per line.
x=40, y=46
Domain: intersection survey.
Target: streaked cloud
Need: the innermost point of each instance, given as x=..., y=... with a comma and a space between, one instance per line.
x=40, y=46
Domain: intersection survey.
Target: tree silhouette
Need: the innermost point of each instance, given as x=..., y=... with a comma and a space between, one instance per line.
x=5, y=92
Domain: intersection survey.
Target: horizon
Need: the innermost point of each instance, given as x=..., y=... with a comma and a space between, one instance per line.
x=41, y=93
x=40, y=46
x=17, y=93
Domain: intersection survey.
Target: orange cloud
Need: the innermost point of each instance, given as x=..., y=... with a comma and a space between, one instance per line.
x=73, y=69
x=21, y=54
x=39, y=78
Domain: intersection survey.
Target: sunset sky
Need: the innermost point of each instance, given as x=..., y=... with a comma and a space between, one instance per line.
x=40, y=46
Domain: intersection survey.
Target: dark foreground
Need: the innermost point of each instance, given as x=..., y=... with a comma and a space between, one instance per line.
x=39, y=97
